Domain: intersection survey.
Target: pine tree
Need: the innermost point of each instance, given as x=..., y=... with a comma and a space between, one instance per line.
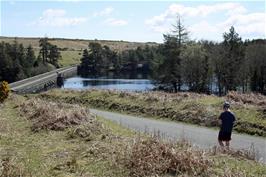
x=54, y=55
x=44, y=51
x=256, y=63
x=169, y=72
x=180, y=32
x=233, y=56
x=30, y=56
x=85, y=58
x=29, y=60
x=96, y=58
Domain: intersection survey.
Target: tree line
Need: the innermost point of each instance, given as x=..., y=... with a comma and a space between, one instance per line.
x=183, y=64
x=18, y=62
x=98, y=59
x=205, y=66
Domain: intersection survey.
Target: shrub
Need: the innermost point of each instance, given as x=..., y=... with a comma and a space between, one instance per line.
x=153, y=157
x=4, y=91
x=87, y=131
x=251, y=98
x=53, y=116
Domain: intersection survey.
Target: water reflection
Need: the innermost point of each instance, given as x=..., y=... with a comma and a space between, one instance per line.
x=103, y=83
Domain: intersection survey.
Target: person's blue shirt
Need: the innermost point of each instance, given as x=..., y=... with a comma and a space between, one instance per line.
x=228, y=119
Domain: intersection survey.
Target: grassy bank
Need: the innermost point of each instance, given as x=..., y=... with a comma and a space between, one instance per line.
x=36, y=140
x=68, y=149
x=192, y=108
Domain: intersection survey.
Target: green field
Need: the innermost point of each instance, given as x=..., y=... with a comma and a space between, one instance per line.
x=70, y=58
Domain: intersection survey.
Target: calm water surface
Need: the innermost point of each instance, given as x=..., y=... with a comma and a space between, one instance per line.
x=103, y=83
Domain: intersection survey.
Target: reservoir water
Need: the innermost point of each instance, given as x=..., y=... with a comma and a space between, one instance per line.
x=79, y=83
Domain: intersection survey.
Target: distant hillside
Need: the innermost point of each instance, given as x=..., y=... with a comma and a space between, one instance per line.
x=78, y=44
x=71, y=49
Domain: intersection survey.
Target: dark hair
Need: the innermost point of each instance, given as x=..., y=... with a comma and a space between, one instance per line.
x=226, y=105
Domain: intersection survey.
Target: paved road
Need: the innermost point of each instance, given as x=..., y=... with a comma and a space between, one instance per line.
x=200, y=136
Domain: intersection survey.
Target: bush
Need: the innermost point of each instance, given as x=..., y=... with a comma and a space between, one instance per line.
x=248, y=98
x=87, y=131
x=153, y=157
x=53, y=116
x=4, y=91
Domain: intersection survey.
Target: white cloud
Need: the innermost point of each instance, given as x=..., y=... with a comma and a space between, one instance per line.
x=105, y=12
x=57, y=18
x=51, y=13
x=115, y=22
x=199, y=11
x=203, y=30
x=254, y=28
x=252, y=24
x=109, y=20
x=246, y=24
x=244, y=19
x=235, y=15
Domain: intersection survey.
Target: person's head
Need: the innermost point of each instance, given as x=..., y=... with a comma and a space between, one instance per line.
x=226, y=105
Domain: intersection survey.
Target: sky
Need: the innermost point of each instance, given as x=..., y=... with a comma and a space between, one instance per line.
x=140, y=21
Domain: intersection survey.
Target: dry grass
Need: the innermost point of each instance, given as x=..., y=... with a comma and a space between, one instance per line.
x=249, y=154
x=53, y=116
x=153, y=157
x=251, y=98
x=156, y=95
x=88, y=131
x=9, y=168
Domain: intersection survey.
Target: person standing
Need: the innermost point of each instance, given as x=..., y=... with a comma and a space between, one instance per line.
x=227, y=120
x=59, y=80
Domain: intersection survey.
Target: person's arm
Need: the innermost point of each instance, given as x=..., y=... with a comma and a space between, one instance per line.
x=234, y=119
x=220, y=120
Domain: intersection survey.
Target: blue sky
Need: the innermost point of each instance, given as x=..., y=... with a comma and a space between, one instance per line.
x=131, y=20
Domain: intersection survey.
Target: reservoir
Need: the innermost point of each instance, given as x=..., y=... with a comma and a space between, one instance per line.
x=80, y=83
